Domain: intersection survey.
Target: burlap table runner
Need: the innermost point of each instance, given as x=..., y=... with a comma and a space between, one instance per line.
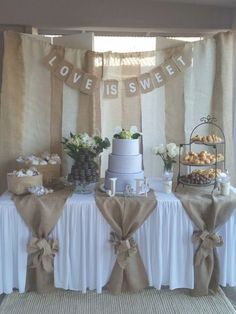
x=125, y=215
x=208, y=212
x=41, y=214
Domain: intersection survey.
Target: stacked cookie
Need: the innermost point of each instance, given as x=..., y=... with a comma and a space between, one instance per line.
x=85, y=170
x=209, y=173
x=195, y=178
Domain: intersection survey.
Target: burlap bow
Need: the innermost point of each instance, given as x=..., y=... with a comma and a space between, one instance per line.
x=42, y=253
x=207, y=241
x=124, y=248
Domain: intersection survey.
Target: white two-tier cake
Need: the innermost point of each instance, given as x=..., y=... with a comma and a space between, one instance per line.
x=125, y=164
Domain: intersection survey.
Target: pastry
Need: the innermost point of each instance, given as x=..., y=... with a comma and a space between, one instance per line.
x=211, y=138
x=203, y=158
x=220, y=157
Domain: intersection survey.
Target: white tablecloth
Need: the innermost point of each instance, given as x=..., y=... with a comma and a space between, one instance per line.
x=85, y=258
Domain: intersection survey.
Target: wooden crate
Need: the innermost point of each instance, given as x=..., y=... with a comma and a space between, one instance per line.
x=20, y=185
x=50, y=173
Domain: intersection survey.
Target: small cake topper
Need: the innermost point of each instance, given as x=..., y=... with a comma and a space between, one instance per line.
x=142, y=186
x=129, y=191
x=122, y=133
x=112, y=191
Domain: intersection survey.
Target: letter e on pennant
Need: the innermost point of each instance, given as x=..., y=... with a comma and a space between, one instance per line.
x=88, y=84
x=51, y=60
x=158, y=77
x=110, y=89
x=170, y=69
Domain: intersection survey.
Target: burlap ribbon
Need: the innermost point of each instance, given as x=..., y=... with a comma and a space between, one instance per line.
x=42, y=252
x=126, y=215
x=41, y=214
x=208, y=212
x=123, y=248
x=207, y=242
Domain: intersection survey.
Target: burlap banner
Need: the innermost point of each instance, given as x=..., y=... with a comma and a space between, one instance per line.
x=133, y=86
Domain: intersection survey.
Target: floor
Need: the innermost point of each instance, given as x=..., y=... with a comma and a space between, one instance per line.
x=229, y=292
x=231, y=295
x=1, y=298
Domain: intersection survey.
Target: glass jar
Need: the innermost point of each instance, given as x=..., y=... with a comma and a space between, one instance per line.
x=167, y=181
x=224, y=181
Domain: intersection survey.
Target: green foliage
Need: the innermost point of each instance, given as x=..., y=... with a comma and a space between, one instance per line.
x=82, y=143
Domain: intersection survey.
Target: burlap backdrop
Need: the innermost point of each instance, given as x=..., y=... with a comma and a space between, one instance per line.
x=37, y=109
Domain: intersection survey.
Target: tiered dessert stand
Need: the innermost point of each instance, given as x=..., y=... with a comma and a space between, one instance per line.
x=216, y=147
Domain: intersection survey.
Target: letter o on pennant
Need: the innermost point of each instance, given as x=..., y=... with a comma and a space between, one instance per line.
x=63, y=70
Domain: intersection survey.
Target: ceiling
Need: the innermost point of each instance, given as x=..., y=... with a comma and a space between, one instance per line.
x=178, y=17
x=223, y=3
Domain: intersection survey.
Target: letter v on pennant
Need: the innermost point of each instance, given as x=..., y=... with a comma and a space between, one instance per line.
x=74, y=80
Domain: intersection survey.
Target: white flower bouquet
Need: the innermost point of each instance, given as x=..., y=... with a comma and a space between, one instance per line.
x=83, y=143
x=168, y=154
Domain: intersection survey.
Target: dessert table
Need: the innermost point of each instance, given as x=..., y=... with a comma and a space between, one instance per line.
x=86, y=257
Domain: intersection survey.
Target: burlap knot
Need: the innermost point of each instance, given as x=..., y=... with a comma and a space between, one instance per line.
x=42, y=253
x=124, y=248
x=207, y=241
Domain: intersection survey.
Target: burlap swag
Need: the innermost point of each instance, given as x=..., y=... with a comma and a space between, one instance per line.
x=208, y=212
x=41, y=214
x=125, y=215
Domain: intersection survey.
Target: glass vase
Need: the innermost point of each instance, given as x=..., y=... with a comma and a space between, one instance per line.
x=84, y=171
x=168, y=169
x=167, y=177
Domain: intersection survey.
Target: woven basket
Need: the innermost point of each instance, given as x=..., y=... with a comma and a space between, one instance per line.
x=20, y=185
x=50, y=173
